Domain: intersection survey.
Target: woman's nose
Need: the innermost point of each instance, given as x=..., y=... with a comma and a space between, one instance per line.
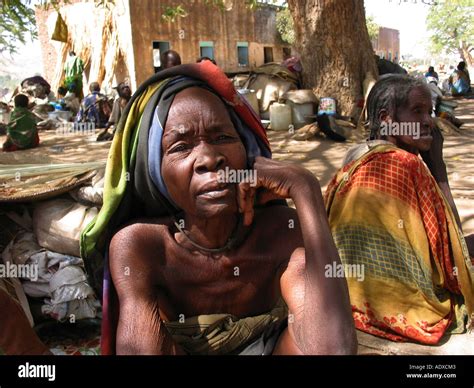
x=208, y=158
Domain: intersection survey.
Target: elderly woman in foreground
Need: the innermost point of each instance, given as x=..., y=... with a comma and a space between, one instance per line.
x=202, y=263
x=393, y=216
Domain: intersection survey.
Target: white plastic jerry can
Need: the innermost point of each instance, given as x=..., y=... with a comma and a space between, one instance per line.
x=280, y=117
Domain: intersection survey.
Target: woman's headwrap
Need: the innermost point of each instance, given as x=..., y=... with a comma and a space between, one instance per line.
x=133, y=185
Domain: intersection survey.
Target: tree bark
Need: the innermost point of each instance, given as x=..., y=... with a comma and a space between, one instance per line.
x=465, y=51
x=335, y=49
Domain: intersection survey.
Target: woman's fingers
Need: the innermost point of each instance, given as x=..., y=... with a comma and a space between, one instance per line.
x=245, y=198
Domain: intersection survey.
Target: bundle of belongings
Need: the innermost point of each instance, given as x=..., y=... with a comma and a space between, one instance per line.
x=39, y=94
x=41, y=269
x=271, y=81
x=58, y=279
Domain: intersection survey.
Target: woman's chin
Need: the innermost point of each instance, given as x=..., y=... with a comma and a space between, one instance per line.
x=216, y=210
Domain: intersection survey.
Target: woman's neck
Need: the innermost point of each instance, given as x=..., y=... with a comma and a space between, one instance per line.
x=209, y=233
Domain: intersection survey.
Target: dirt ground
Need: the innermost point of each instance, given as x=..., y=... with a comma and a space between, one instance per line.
x=321, y=156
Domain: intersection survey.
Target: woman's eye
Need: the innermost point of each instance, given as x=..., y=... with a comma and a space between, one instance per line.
x=179, y=148
x=223, y=137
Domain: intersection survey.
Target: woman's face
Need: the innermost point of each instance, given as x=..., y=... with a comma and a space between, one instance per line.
x=199, y=139
x=413, y=122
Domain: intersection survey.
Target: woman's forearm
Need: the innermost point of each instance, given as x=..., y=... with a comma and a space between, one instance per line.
x=326, y=304
x=140, y=318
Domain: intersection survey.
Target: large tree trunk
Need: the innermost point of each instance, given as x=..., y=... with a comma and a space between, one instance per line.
x=465, y=51
x=335, y=49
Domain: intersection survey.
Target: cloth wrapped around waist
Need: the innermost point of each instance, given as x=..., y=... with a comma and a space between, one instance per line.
x=218, y=334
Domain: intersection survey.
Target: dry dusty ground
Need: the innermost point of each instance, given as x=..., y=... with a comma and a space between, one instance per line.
x=323, y=157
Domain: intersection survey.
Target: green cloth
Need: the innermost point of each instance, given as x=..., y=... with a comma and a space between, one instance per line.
x=73, y=71
x=117, y=174
x=22, y=129
x=219, y=334
x=74, y=66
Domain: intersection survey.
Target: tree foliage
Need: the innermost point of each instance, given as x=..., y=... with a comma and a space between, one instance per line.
x=284, y=25
x=372, y=28
x=16, y=24
x=451, y=23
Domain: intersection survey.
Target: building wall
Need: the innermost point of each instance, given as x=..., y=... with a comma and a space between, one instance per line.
x=204, y=23
x=138, y=23
x=49, y=50
x=387, y=45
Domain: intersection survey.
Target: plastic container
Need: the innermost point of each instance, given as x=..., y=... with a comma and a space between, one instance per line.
x=303, y=114
x=64, y=114
x=327, y=105
x=53, y=115
x=251, y=97
x=280, y=117
x=60, y=114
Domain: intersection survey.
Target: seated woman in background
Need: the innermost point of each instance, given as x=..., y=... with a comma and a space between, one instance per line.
x=460, y=81
x=394, y=216
x=196, y=267
x=22, y=132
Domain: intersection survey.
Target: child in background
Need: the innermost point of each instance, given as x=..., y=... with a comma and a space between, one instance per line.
x=21, y=131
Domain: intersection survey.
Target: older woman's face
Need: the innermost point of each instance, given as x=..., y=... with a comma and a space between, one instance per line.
x=416, y=121
x=199, y=140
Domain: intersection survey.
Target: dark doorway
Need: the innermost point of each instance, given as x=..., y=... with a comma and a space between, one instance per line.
x=159, y=47
x=268, y=54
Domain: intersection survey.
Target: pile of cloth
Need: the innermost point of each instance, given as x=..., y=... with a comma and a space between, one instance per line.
x=45, y=256
x=270, y=81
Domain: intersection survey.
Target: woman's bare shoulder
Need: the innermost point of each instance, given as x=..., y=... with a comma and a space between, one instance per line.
x=137, y=249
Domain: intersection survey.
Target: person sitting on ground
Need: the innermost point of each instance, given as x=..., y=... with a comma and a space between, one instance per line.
x=431, y=73
x=460, y=81
x=197, y=268
x=394, y=216
x=60, y=104
x=124, y=96
x=22, y=132
x=95, y=108
x=206, y=59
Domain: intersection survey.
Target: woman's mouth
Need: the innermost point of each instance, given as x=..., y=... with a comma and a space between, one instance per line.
x=215, y=194
x=214, y=191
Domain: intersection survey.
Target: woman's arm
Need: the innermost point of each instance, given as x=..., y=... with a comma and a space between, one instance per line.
x=140, y=329
x=435, y=162
x=326, y=325
x=320, y=305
